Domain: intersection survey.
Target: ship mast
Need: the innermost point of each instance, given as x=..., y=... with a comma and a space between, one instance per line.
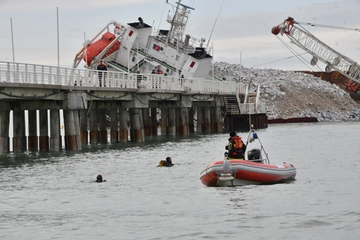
x=178, y=22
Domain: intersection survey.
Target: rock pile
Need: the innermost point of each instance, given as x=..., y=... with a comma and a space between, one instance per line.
x=290, y=95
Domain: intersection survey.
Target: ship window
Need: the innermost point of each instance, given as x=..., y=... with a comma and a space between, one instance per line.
x=192, y=64
x=156, y=47
x=131, y=33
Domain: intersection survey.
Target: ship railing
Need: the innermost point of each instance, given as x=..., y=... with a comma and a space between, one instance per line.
x=156, y=81
x=24, y=73
x=189, y=48
x=138, y=48
x=199, y=84
x=14, y=72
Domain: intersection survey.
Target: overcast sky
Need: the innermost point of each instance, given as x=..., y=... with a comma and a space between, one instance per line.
x=241, y=33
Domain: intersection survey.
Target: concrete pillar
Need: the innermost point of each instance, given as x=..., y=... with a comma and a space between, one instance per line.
x=141, y=120
x=77, y=129
x=207, y=118
x=191, y=120
x=44, y=131
x=70, y=130
x=114, y=133
x=218, y=123
x=147, y=121
x=103, y=134
x=19, y=140
x=164, y=121
x=184, y=121
x=55, y=138
x=124, y=133
x=136, y=131
x=172, y=122
x=33, y=138
x=178, y=122
x=154, y=122
x=83, y=126
x=4, y=131
x=94, y=127
x=200, y=127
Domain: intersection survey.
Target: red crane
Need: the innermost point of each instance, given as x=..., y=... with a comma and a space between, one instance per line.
x=320, y=51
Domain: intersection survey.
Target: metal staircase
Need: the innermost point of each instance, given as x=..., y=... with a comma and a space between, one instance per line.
x=147, y=56
x=118, y=66
x=231, y=105
x=239, y=104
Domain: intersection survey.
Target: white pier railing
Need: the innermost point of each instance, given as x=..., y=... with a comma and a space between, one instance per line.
x=24, y=73
x=11, y=72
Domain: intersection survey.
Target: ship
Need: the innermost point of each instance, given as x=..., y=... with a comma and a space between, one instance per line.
x=137, y=47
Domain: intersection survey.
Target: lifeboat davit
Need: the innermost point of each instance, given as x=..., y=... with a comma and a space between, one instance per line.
x=97, y=47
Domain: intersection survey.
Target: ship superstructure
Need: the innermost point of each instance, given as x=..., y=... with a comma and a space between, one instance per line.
x=138, y=48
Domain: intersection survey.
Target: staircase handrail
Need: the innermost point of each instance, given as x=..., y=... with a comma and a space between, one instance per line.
x=238, y=100
x=257, y=101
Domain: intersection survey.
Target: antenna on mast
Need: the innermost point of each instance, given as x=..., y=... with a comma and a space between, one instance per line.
x=215, y=24
x=172, y=22
x=178, y=22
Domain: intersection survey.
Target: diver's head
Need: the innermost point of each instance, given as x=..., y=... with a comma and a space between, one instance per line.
x=99, y=178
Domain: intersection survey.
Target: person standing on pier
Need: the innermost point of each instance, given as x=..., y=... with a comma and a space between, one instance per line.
x=102, y=72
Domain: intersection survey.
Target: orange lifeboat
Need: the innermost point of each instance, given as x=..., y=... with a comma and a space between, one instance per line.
x=97, y=47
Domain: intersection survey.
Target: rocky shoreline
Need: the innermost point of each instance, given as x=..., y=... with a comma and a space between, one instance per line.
x=289, y=94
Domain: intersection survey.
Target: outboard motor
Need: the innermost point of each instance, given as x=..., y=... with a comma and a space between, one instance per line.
x=226, y=178
x=254, y=154
x=226, y=166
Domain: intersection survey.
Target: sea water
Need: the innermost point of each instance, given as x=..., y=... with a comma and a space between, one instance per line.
x=54, y=195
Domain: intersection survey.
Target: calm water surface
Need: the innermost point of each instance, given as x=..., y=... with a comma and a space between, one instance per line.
x=54, y=196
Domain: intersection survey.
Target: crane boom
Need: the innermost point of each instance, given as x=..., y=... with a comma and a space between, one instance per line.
x=319, y=50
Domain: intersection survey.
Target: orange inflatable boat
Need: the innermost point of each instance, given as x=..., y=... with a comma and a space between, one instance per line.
x=254, y=170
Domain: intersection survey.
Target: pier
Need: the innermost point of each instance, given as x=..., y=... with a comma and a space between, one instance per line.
x=121, y=109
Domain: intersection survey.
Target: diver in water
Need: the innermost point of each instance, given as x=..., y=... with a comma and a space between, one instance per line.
x=99, y=178
x=166, y=163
